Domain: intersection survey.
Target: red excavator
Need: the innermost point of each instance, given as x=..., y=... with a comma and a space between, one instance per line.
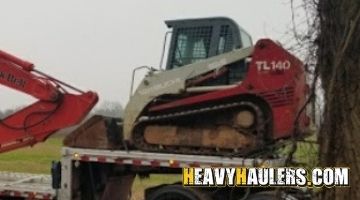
x=56, y=108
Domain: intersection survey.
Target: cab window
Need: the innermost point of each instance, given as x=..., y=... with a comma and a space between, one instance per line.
x=191, y=45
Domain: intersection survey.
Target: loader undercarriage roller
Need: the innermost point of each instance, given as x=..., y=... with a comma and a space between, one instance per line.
x=230, y=128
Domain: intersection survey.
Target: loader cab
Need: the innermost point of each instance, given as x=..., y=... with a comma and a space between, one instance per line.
x=193, y=40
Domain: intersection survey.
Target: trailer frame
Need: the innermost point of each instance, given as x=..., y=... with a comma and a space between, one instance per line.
x=148, y=162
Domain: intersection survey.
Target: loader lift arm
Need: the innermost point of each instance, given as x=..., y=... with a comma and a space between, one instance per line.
x=59, y=105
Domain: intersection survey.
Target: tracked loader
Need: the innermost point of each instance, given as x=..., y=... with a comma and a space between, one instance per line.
x=218, y=93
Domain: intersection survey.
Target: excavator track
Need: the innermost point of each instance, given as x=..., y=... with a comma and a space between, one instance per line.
x=258, y=141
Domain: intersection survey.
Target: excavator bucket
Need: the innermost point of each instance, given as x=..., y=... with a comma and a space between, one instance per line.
x=97, y=132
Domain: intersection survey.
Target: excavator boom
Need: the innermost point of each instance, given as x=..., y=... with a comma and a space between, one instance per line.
x=56, y=108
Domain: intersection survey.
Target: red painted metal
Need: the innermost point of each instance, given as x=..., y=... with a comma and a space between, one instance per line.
x=28, y=66
x=55, y=109
x=281, y=85
x=15, y=77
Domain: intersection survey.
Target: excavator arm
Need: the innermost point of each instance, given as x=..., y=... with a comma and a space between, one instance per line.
x=59, y=105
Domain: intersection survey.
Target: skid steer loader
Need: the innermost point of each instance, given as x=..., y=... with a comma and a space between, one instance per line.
x=218, y=94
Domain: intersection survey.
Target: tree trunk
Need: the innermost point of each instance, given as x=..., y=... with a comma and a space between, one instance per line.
x=339, y=70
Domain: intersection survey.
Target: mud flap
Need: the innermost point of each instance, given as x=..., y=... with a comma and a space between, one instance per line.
x=118, y=187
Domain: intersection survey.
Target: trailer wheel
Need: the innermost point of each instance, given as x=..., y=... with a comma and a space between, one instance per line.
x=176, y=192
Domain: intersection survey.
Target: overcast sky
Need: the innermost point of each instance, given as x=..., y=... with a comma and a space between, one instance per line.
x=95, y=44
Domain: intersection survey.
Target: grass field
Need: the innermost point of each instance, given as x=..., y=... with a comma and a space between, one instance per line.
x=35, y=159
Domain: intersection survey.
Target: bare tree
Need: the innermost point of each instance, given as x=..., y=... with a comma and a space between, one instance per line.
x=110, y=109
x=332, y=41
x=338, y=64
x=2, y=115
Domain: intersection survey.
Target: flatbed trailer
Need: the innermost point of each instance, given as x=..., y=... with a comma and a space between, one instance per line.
x=109, y=174
x=26, y=186
x=83, y=171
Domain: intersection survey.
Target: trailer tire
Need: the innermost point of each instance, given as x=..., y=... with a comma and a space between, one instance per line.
x=262, y=196
x=177, y=192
